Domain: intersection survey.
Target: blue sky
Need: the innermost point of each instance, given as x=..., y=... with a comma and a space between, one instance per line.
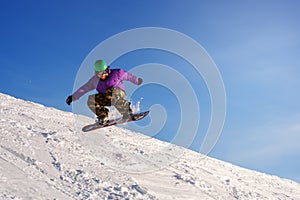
x=255, y=45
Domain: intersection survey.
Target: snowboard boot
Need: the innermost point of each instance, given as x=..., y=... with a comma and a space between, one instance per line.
x=102, y=121
x=128, y=116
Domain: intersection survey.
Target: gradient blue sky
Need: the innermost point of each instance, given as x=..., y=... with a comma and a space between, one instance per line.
x=255, y=44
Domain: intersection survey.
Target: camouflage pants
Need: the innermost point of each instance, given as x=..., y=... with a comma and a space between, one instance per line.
x=113, y=97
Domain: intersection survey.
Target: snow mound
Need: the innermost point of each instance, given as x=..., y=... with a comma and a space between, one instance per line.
x=44, y=155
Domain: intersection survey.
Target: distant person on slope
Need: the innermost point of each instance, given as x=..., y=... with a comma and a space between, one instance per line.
x=111, y=91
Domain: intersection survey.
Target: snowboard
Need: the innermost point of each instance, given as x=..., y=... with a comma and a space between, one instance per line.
x=135, y=117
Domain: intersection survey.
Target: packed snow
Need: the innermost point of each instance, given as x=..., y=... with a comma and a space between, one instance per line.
x=45, y=155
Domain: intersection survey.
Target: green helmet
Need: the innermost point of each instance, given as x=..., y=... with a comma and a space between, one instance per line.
x=100, y=65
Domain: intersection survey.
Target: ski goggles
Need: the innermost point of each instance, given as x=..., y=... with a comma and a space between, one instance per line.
x=101, y=73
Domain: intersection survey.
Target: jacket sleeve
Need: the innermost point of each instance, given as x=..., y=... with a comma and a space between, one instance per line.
x=84, y=89
x=130, y=77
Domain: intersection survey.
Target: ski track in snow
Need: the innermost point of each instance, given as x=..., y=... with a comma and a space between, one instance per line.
x=44, y=155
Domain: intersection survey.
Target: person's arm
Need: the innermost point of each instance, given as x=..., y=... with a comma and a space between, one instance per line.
x=81, y=91
x=132, y=78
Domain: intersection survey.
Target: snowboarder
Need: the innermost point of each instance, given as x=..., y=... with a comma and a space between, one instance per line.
x=111, y=91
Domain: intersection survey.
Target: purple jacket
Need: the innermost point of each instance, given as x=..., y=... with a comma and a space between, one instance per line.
x=114, y=80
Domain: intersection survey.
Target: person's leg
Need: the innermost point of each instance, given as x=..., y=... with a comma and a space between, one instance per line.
x=118, y=100
x=97, y=103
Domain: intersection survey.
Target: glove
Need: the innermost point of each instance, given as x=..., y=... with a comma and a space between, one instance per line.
x=140, y=81
x=69, y=100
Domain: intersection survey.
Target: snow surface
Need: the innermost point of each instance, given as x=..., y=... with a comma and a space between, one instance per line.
x=45, y=155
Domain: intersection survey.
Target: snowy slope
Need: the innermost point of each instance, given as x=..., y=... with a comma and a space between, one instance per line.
x=44, y=155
